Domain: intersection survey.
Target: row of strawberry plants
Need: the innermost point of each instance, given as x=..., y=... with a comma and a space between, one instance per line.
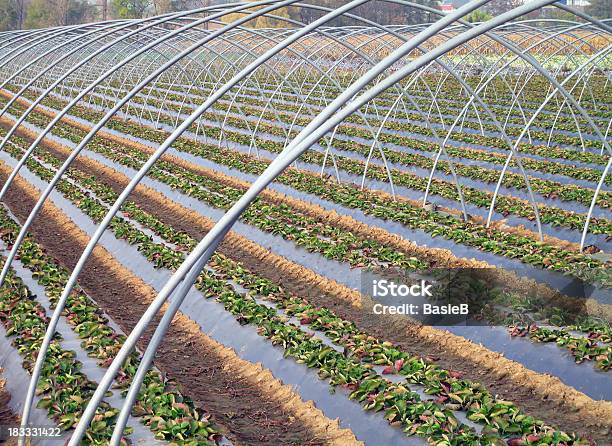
x=160, y=404
x=532, y=92
x=534, y=86
x=305, y=348
x=547, y=188
x=504, y=204
x=167, y=257
x=535, y=90
x=251, y=96
x=525, y=249
x=525, y=315
x=462, y=152
x=520, y=311
x=581, y=348
x=278, y=219
x=448, y=103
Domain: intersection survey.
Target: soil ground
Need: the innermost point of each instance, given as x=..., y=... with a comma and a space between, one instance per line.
x=7, y=417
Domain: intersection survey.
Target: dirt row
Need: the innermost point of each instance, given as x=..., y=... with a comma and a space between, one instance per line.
x=544, y=396
x=7, y=417
x=249, y=404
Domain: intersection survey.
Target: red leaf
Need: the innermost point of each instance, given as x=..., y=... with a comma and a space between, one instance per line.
x=532, y=438
x=389, y=370
x=360, y=353
x=351, y=386
x=399, y=364
x=515, y=442
x=455, y=374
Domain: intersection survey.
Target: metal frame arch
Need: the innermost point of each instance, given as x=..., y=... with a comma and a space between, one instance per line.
x=464, y=111
x=125, y=76
x=451, y=166
x=604, y=174
x=376, y=141
x=533, y=73
x=528, y=76
x=250, y=33
x=120, y=89
x=564, y=103
x=39, y=34
x=7, y=36
x=307, y=98
x=518, y=140
x=7, y=265
x=313, y=66
x=247, y=53
x=475, y=51
x=90, y=410
x=187, y=94
x=126, y=71
x=450, y=71
x=29, y=45
x=40, y=45
x=302, y=60
x=193, y=83
x=143, y=74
